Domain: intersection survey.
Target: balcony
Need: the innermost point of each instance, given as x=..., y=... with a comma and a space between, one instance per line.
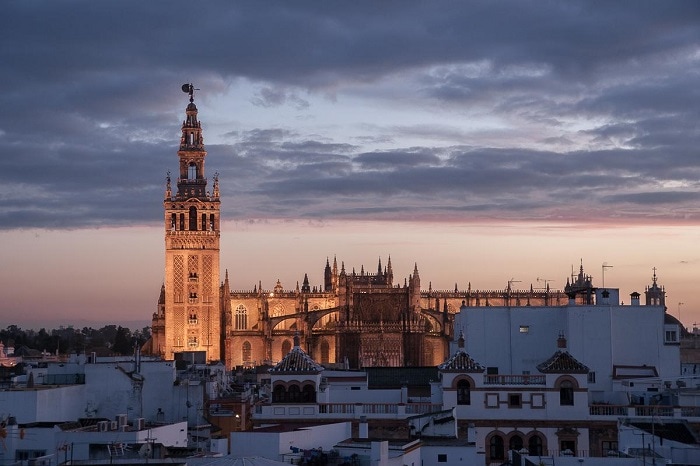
x=515, y=379
x=342, y=410
x=601, y=411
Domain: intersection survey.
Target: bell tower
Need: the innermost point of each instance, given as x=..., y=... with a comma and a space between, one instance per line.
x=192, y=222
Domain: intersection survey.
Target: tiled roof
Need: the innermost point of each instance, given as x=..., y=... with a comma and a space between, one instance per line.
x=461, y=362
x=297, y=361
x=562, y=363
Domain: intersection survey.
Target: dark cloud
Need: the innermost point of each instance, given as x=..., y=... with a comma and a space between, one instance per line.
x=577, y=108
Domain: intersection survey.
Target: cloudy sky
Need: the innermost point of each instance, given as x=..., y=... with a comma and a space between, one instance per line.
x=487, y=141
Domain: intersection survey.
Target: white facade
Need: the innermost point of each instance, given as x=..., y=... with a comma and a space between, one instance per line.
x=276, y=443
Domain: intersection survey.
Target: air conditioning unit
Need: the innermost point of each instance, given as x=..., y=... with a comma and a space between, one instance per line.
x=140, y=423
x=102, y=426
x=124, y=428
x=113, y=425
x=122, y=419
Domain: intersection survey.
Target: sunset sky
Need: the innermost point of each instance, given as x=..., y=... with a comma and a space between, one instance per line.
x=486, y=141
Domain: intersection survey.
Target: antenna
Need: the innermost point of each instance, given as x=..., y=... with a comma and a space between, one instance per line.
x=544, y=280
x=605, y=266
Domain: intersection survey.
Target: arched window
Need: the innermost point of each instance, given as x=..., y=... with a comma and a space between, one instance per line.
x=192, y=171
x=463, y=392
x=566, y=393
x=241, y=317
x=211, y=222
x=193, y=218
x=182, y=222
x=325, y=352
x=534, y=446
x=278, y=394
x=308, y=394
x=496, y=448
x=286, y=348
x=246, y=353
x=515, y=443
x=294, y=394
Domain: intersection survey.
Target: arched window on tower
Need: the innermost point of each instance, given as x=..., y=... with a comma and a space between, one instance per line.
x=211, y=222
x=192, y=171
x=241, y=322
x=182, y=222
x=193, y=218
x=204, y=222
x=173, y=221
x=247, y=353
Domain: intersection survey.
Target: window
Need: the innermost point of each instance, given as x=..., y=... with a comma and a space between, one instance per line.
x=204, y=222
x=278, y=394
x=534, y=446
x=294, y=394
x=192, y=319
x=568, y=445
x=241, y=321
x=515, y=443
x=442, y=458
x=286, y=348
x=566, y=393
x=192, y=171
x=492, y=370
x=496, y=448
x=524, y=329
x=463, y=392
x=492, y=400
x=308, y=394
x=192, y=342
x=246, y=353
x=515, y=400
x=609, y=447
x=325, y=352
x=193, y=218
x=591, y=377
x=671, y=336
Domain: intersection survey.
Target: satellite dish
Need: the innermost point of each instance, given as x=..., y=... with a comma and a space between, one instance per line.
x=186, y=88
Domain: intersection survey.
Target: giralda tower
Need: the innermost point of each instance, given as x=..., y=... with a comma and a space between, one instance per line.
x=192, y=231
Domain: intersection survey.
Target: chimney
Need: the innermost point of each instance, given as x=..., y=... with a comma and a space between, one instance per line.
x=561, y=342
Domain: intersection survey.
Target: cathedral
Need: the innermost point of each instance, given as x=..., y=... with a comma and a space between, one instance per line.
x=358, y=319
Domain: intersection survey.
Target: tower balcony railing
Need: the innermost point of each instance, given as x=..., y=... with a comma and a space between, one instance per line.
x=191, y=232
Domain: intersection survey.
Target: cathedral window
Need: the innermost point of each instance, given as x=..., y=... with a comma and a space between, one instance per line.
x=204, y=222
x=247, y=353
x=173, y=221
x=325, y=352
x=211, y=221
x=241, y=322
x=192, y=319
x=182, y=222
x=192, y=172
x=286, y=348
x=192, y=342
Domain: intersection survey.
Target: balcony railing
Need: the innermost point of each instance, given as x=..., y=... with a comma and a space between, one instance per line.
x=515, y=379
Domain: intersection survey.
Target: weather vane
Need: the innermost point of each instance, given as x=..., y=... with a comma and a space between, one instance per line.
x=189, y=89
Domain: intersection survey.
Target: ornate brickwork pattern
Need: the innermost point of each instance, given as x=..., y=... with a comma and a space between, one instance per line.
x=207, y=279
x=178, y=278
